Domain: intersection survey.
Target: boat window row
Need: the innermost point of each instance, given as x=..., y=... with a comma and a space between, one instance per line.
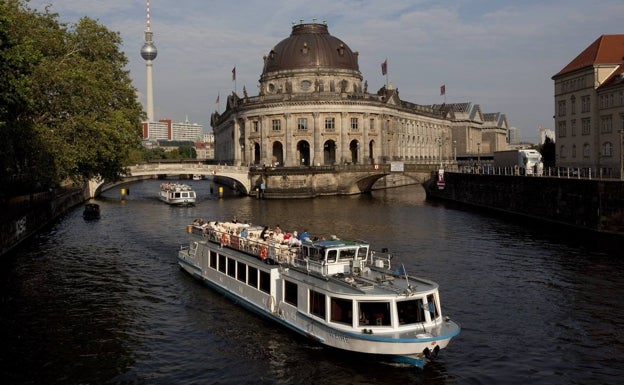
x=370, y=313
x=239, y=270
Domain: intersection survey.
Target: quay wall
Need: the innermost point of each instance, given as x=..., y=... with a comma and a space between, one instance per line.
x=24, y=216
x=590, y=204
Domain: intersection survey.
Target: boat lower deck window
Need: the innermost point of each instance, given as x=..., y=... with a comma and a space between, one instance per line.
x=241, y=272
x=290, y=293
x=231, y=267
x=411, y=311
x=341, y=311
x=265, y=282
x=222, y=263
x=317, y=304
x=374, y=313
x=213, y=259
x=252, y=279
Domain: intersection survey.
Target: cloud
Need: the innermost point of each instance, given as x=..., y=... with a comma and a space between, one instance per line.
x=499, y=54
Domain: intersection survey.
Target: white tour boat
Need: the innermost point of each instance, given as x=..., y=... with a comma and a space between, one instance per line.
x=336, y=292
x=177, y=194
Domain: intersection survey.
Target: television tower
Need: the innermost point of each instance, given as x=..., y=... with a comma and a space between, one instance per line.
x=149, y=52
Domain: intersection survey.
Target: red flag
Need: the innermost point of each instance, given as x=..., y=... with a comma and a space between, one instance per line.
x=233, y=73
x=443, y=89
x=384, y=67
x=217, y=101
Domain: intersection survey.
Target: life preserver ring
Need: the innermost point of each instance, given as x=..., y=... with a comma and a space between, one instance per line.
x=264, y=253
x=223, y=239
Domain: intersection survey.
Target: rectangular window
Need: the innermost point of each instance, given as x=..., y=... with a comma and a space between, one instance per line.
x=374, y=313
x=256, y=126
x=585, y=126
x=432, y=306
x=562, y=108
x=354, y=124
x=330, y=124
x=222, y=263
x=252, y=279
x=341, y=311
x=290, y=293
x=231, y=267
x=561, y=129
x=213, y=259
x=573, y=127
x=277, y=125
x=317, y=304
x=585, y=104
x=302, y=123
x=241, y=272
x=411, y=312
x=606, y=124
x=265, y=282
x=371, y=124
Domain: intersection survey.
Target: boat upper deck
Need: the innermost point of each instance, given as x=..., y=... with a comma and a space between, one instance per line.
x=342, y=266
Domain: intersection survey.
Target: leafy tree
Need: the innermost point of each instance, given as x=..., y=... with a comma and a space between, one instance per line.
x=547, y=149
x=187, y=152
x=69, y=110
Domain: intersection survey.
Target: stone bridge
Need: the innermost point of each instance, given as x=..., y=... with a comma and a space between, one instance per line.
x=279, y=182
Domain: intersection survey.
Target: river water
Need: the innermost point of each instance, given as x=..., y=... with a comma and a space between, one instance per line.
x=104, y=302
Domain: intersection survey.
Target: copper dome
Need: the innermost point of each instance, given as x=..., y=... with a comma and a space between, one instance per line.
x=310, y=46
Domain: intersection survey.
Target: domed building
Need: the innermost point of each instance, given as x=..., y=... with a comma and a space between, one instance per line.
x=313, y=108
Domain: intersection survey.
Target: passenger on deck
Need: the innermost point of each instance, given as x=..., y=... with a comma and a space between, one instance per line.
x=293, y=240
x=244, y=233
x=234, y=219
x=264, y=232
x=304, y=236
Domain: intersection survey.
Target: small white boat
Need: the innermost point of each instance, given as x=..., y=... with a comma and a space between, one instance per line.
x=336, y=292
x=197, y=177
x=177, y=194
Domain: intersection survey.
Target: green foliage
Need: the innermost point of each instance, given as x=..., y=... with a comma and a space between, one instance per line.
x=69, y=110
x=547, y=149
x=187, y=152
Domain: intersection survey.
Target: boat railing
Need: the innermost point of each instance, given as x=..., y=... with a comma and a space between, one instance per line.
x=381, y=260
x=264, y=250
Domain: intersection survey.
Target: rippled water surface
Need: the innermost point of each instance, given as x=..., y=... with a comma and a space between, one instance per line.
x=105, y=302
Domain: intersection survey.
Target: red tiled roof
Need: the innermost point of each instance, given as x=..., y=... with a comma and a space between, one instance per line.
x=607, y=49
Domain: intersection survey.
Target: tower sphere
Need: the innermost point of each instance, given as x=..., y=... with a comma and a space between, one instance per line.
x=149, y=52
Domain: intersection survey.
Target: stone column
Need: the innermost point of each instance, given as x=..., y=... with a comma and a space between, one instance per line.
x=344, y=145
x=363, y=153
x=288, y=151
x=317, y=158
x=264, y=127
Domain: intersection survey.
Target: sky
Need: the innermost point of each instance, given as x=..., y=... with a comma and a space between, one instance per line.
x=499, y=54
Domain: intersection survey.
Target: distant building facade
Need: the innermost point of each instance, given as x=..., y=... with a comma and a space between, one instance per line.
x=546, y=133
x=164, y=129
x=589, y=109
x=313, y=108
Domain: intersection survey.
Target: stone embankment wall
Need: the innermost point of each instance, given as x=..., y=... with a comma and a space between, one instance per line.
x=584, y=203
x=24, y=216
